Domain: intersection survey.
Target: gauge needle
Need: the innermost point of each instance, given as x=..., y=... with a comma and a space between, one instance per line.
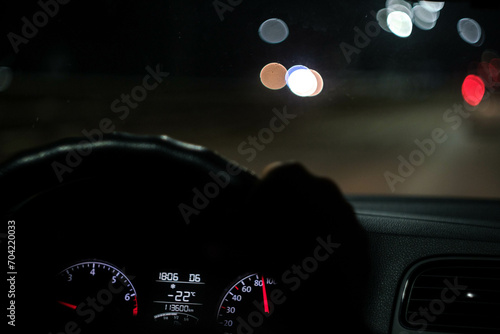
x=266, y=304
x=71, y=306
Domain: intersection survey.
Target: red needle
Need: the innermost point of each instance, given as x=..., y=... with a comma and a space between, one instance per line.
x=71, y=306
x=266, y=304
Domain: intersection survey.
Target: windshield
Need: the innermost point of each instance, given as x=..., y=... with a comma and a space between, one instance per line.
x=391, y=97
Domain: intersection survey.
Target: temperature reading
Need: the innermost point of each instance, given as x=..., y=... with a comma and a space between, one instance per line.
x=183, y=296
x=179, y=298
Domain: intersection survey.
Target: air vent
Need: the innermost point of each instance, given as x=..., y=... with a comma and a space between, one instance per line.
x=453, y=296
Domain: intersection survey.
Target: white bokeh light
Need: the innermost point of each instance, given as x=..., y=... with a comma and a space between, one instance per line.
x=273, y=31
x=423, y=18
x=390, y=3
x=432, y=6
x=423, y=25
x=302, y=82
x=470, y=31
x=422, y=14
x=293, y=69
x=400, y=24
x=382, y=19
x=400, y=8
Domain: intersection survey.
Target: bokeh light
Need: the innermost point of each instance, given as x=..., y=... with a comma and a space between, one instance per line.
x=399, y=16
x=273, y=31
x=5, y=78
x=382, y=19
x=400, y=8
x=301, y=81
x=495, y=69
x=273, y=75
x=391, y=3
x=424, y=18
x=293, y=69
x=320, y=82
x=399, y=23
x=486, y=71
x=473, y=90
x=470, y=31
x=432, y=6
x=489, y=72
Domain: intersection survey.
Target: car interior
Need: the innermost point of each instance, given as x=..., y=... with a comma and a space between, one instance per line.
x=243, y=167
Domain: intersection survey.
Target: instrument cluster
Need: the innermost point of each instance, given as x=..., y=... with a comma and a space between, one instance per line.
x=94, y=294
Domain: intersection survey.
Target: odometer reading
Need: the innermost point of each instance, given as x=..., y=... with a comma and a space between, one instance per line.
x=179, y=298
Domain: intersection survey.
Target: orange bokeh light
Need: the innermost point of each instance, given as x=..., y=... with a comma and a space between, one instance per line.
x=273, y=76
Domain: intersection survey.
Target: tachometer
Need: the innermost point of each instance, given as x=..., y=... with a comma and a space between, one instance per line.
x=248, y=303
x=91, y=295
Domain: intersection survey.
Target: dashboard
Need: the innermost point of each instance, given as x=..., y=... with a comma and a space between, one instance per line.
x=147, y=234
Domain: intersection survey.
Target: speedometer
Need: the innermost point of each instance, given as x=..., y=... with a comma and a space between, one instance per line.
x=247, y=304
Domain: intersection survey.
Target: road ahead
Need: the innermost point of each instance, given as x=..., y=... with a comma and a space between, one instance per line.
x=360, y=146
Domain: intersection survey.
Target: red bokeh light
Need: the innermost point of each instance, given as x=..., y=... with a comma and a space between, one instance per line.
x=495, y=69
x=489, y=73
x=473, y=90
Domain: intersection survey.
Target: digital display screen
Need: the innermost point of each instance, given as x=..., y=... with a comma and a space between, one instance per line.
x=179, y=298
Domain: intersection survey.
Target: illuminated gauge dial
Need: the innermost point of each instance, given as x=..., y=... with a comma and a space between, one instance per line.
x=247, y=304
x=93, y=295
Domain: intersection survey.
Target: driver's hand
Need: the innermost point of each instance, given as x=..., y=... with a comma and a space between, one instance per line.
x=310, y=233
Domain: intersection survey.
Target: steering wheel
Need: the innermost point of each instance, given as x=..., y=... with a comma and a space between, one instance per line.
x=157, y=203
x=118, y=156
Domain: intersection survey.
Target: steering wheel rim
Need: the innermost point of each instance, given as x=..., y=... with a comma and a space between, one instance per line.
x=115, y=156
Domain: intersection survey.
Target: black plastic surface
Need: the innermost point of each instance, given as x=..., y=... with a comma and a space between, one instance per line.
x=404, y=231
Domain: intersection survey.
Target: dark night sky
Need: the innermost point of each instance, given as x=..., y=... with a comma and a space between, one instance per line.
x=122, y=37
